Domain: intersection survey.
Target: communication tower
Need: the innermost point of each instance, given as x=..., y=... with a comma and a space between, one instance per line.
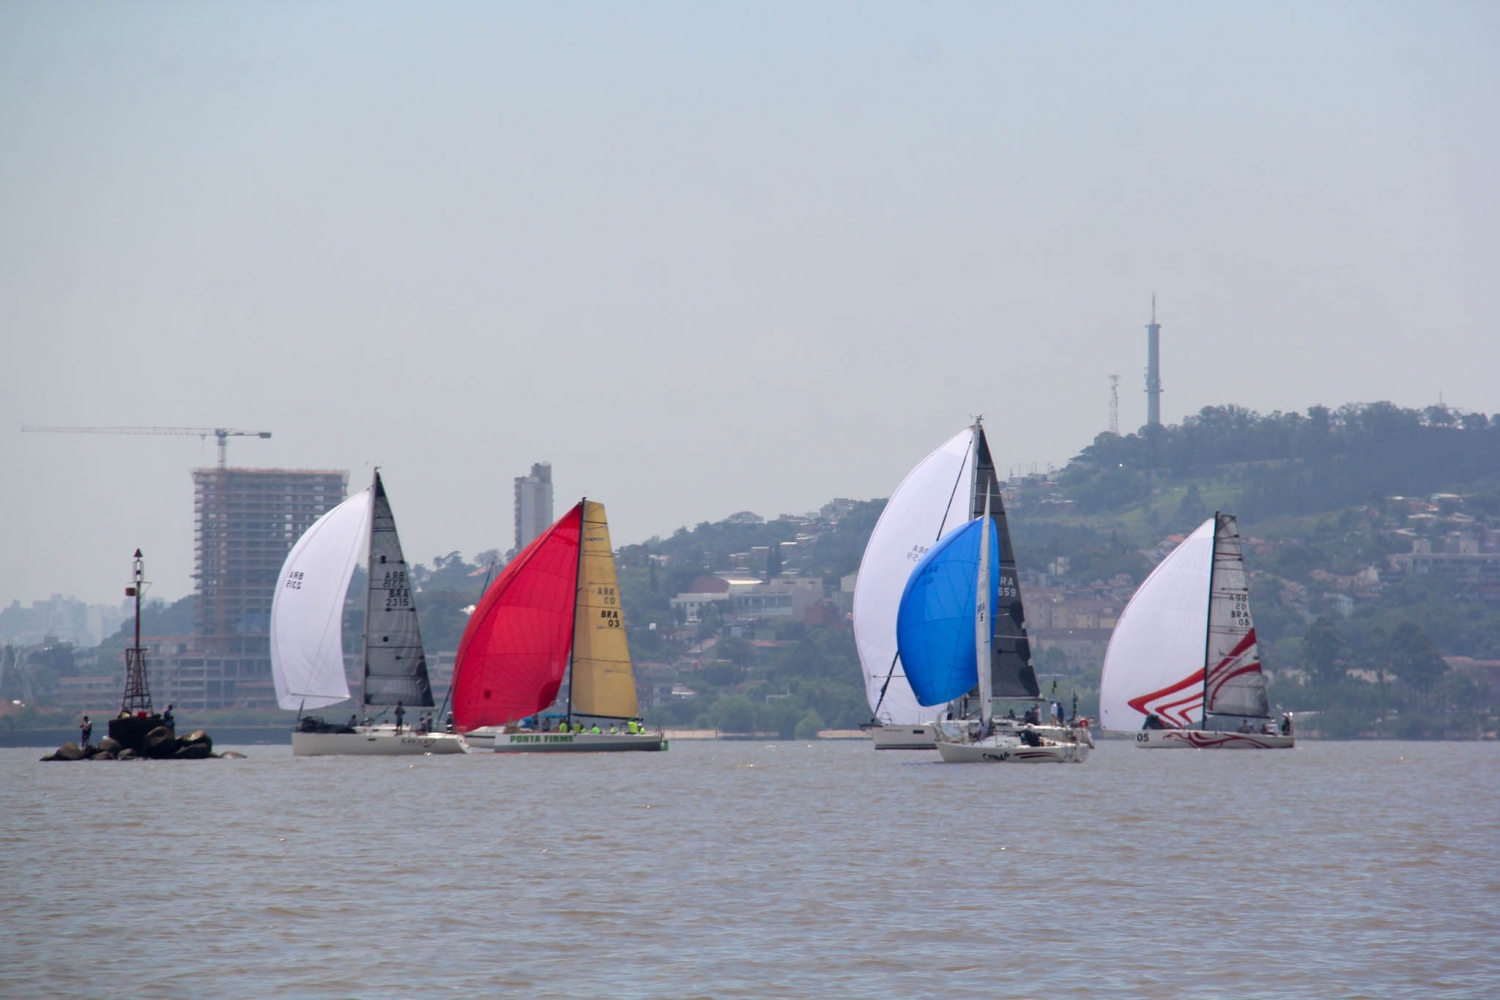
x=1153, y=368
x=1114, y=405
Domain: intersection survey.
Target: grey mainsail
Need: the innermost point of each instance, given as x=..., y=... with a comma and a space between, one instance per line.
x=1011, y=671
x=395, y=666
x=1233, y=683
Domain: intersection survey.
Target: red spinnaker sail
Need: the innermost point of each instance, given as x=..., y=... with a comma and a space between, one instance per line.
x=515, y=649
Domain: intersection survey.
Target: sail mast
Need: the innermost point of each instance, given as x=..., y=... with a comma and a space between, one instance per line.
x=1208, y=619
x=364, y=653
x=577, y=573
x=983, y=626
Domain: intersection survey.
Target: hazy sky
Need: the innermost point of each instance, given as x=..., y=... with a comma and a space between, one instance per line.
x=704, y=257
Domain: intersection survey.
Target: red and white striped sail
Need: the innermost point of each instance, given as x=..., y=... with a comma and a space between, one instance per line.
x=514, y=653
x=1174, y=630
x=1236, y=685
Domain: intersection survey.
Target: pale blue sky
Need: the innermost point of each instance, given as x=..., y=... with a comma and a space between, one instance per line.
x=705, y=257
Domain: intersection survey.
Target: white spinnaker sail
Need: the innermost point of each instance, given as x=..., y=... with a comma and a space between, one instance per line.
x=932, y=500
x=1154, y=663
x=1236, y=685
x=307, y=611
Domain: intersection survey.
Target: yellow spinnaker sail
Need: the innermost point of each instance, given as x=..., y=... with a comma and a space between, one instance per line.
x=603, y=682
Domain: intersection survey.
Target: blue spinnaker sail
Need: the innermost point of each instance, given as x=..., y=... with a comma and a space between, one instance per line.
x=935, y=620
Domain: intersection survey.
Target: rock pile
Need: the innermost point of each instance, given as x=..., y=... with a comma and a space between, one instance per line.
x=160, y=744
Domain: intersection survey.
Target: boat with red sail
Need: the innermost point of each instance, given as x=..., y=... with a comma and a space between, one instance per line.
x=544, y=664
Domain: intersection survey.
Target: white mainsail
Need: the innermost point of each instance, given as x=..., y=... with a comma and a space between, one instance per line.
x=1154, y=664
x=932, y=500
x=1235, y=684
x=307, y=611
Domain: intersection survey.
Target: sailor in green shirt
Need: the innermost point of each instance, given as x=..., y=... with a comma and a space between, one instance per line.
x=595, y=729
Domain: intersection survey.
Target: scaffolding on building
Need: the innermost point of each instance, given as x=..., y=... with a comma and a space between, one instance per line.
x=246, y=521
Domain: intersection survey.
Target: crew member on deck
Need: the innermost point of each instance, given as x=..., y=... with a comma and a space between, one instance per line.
x=400, y=714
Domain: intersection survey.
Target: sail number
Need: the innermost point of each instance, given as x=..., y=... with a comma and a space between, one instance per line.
x=610, y=617
x=397, y=594
x=1239, y=614
x=294, y=580
x=916, y=553
x=606, y=595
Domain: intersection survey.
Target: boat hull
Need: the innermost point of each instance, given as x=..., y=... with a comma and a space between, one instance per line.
x=575, y=742
x=1203, y=739
x=374, y=741
x=1003, y=751
x=914, y=737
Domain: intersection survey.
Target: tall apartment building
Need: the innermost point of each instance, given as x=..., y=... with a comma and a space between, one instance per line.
x=533, y=504
x=247, y=522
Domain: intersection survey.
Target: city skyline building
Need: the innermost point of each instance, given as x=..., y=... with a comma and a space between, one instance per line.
x=247, y=520
x=533, y=504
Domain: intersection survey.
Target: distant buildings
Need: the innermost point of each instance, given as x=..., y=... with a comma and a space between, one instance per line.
x=533, y=504
x=247, y=521
x=1463, y=562
x=744, y=598
x=59, y=617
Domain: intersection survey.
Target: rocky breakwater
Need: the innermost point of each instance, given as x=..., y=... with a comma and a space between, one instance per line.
x=160, y=743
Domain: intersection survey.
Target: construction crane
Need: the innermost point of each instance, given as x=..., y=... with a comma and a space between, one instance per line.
x=222, y=433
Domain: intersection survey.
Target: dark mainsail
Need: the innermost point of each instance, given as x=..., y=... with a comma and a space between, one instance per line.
x=395, y=667
x=1011, y=672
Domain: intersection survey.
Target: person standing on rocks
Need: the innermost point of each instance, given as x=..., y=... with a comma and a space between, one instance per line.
x=400, y=714
x=85, y=731
x=167, y=719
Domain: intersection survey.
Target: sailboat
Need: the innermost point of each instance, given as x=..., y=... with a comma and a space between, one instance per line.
x=552, y=615
x=945, y=491
x=307, y=644
x=1184, y=651
x=945, y=636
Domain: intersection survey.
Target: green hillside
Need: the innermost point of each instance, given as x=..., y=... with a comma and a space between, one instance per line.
x=1325, y=500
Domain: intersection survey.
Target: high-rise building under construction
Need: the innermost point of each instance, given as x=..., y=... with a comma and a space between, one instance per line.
x=247, y=520
x=533, y=504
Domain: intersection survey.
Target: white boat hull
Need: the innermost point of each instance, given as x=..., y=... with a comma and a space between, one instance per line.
x=379, y=741
x=1005, y=750
x=572, y=742
x=914, y=737
x=1204, y=739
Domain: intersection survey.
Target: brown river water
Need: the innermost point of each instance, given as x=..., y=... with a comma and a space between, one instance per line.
x=736, y=869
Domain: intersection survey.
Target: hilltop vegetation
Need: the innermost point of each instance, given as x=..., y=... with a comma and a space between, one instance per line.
x=1291, y=463
x=1325, y=500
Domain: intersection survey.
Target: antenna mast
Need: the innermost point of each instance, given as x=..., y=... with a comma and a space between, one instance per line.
x=1153, y=368
x=1114, y=405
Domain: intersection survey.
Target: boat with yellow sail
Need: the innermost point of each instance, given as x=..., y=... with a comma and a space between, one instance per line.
x=551, y=617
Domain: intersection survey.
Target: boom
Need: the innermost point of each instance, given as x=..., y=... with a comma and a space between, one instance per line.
x=222, y=433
